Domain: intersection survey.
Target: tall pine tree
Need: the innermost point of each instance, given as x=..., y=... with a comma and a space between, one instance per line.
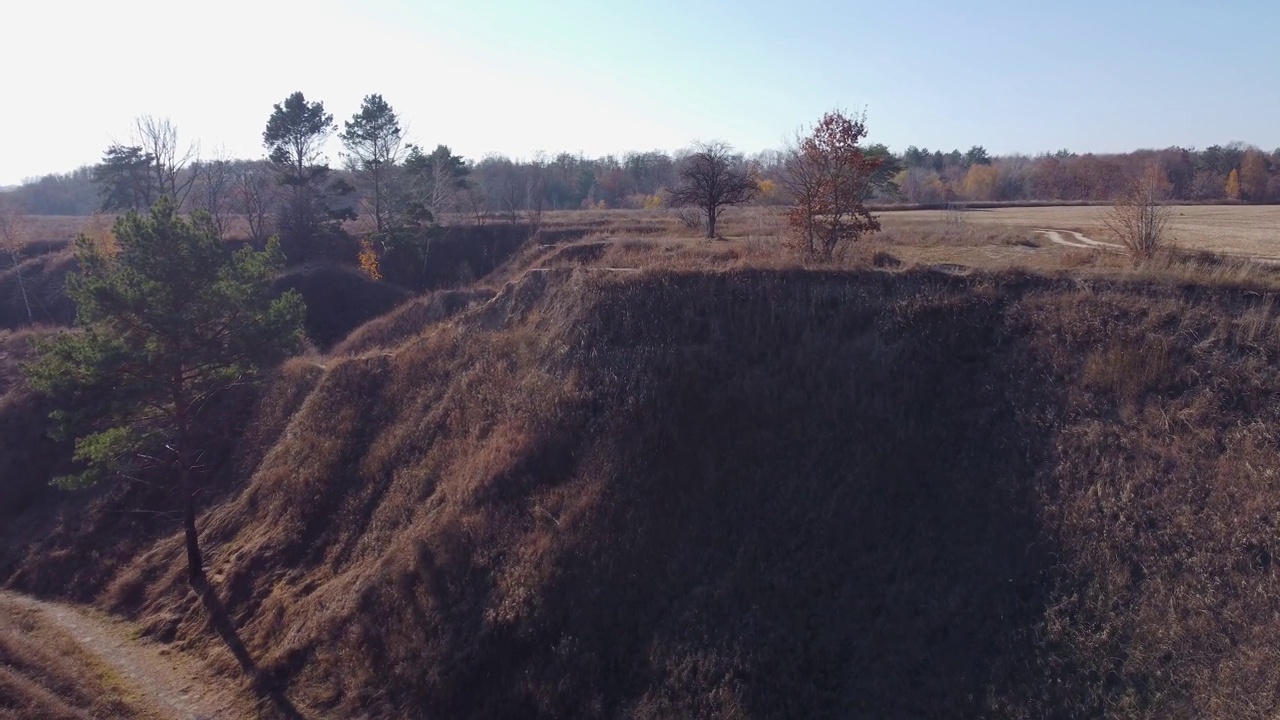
x=169, y=320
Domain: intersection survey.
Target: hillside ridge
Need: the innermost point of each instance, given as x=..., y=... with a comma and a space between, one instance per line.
x=754, y=493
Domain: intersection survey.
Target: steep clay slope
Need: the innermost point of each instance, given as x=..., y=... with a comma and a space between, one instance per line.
x=761, y=494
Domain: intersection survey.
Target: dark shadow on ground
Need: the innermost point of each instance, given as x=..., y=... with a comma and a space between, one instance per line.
x=262, y=684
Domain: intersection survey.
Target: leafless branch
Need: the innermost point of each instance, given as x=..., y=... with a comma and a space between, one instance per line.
x=158, y=137
x=712, y=178
x=1140, y=218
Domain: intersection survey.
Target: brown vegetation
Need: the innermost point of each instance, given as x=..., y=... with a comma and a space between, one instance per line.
x=711, y=179
x=829, y=177
x=1140, y=217
x=1232, y=230
x=727, y=546
x=46, y=675
x=653, y=477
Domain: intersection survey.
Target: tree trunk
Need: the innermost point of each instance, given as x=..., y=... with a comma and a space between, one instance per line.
x=711, y=222
x=195, y=563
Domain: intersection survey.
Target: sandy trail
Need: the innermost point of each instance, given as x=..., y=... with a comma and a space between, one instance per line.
x=170, y=685
x=1081, y=241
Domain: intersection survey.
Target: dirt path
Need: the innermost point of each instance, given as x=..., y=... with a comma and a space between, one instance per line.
x=1082, y=241
x=166, y=683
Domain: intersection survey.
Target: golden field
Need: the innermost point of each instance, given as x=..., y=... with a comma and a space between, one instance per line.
x=1252, y=230
x=989, y=239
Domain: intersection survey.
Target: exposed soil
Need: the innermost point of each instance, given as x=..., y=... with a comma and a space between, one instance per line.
x=1081, y=241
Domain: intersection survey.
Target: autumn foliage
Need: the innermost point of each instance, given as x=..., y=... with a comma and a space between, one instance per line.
x=1253, y=177
x=368, y=259
x=1233, y=185
x=827, y=173
x=980, y=182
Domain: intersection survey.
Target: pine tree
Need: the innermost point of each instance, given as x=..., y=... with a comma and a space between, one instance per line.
x=295, y=136
x=373, y=141
x=124, y=178
x=169, y=320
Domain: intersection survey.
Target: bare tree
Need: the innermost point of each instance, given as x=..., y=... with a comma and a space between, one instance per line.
x=712, y=178
x=443, y=196
x=508, y=186
x=256, y=193
x=212, y=189
x=804, y=181
x=13, y=238
x=158, y=138
x=1140, y=217
x=477, y=201
x=535, y=190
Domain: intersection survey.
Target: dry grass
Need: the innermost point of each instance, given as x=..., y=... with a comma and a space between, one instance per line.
x=1251, y=230
x=980, y=241
x=998, y=238
x=44, y=278
x=759, y=493
x=339, y=299
x=44, y=675
x=56, y=230
x=637, y=473
x=48, y=232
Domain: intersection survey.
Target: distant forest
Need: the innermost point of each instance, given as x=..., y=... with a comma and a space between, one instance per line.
x=501, y=186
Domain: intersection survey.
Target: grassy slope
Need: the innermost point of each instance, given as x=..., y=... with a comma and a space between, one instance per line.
x=758, y=494
x=766, y=493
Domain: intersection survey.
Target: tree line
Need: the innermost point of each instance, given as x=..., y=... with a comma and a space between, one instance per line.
x=384, y=173
x=1230, y=173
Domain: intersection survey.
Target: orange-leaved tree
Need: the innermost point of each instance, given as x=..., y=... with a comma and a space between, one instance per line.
x=1233, y=185
x=368, y=259
x=980, y=182
x=827, y=174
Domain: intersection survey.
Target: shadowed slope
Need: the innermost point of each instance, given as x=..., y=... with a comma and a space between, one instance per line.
x=800, y=496
x=762, y=494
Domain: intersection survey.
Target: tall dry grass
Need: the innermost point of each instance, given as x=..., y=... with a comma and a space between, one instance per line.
x=660, y=477
x=761, y=492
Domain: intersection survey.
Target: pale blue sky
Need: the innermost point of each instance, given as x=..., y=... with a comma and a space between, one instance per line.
x=598, y=77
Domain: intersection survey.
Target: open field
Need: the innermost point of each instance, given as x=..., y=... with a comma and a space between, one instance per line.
x=1249, y=230
x=1222, y=242
x=992, y=240
x=1252, y=230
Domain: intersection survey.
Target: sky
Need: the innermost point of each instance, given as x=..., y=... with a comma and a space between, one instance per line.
x=519, y=77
